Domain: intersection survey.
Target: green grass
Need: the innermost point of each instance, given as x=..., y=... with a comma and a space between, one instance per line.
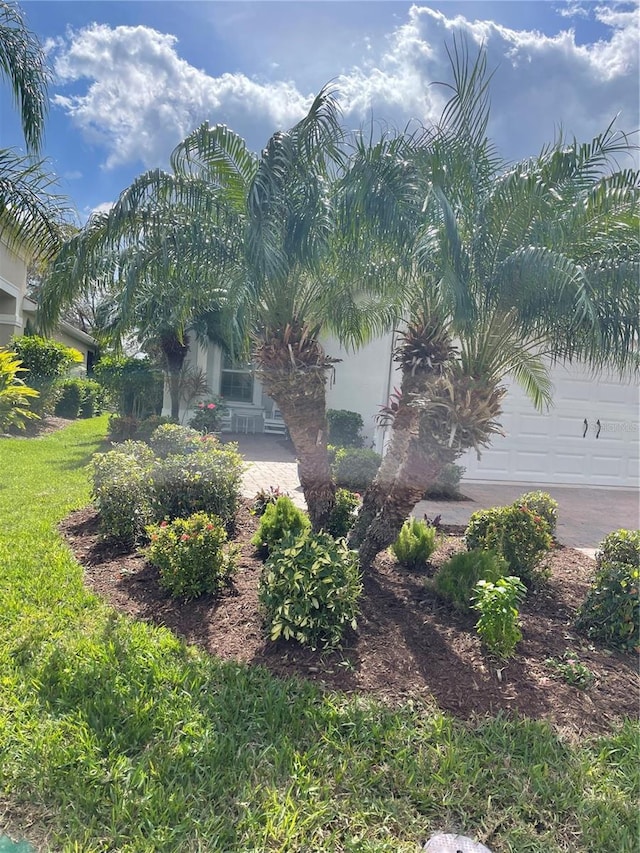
x=127, y=740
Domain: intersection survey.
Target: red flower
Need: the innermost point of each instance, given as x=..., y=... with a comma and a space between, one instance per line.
x=184, y=537
x=211, y=406
x=163, y=524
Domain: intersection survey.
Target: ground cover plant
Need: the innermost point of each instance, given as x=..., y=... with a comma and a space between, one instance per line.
x=114, y=732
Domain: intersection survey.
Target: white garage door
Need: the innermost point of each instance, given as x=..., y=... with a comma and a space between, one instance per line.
x=589, y=437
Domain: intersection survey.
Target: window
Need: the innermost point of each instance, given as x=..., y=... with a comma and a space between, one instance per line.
x=236, y=382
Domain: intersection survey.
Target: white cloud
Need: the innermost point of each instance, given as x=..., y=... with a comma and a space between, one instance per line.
x=140, y=97
x=103, y=207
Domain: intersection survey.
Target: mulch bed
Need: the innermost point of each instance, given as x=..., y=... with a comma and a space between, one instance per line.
x=408, y=644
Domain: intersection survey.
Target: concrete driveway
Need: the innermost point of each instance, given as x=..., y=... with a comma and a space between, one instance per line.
x=585, y=516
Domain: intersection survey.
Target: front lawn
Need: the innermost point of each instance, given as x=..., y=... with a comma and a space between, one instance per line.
x=115, y=736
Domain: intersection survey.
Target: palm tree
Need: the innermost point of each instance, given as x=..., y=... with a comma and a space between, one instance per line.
x=30, y=212
x=522, y=262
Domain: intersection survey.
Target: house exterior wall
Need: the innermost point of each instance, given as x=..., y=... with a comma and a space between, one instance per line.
x=13, y=285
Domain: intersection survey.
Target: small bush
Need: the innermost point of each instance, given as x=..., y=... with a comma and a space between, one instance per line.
x=46, y=361
x=416, y=542
x=15, y=394
x=344, y=513
x=542, y=504
x=498, y=625
x=610, y=613
x=78, y=398
x=175, y=440
x=621, y=546
x=92, y=399
x=280, y=520
x=207, y=480
x=344, y=428
x=457, y=578
x=148, y=426
x=122, y=492
x=309, y=590
x=122, y=428
x=208, y=415
x=521, y=537
x=447, y=485
x=354, y=468
x=571, y=670
x=264, y=498
x=132, y=386
x=190, y=555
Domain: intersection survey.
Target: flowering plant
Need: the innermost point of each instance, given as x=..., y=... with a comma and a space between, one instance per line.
x=189, y=553
x=208, y=415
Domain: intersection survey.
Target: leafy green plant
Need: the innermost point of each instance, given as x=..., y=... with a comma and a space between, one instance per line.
x=15, y=394
x=174, y=439
x=264, y=498
x=416, y=542
x=570, y=669
x=122, y=428
x=309, y=590
x=542, y=504
x=621, y=546
x=457, y=578
x=345, y=428
x=355, y=467
x=498, y=625
x=46, y=361
x=279, y=521
x=344, y=513
x=447, y=485
x=516, y=533
x=133, y=386
x=208, y=415
x=78, y=397
x=145, y=428
x=610, y=613
x=207, y=480
x=190, y=555
x=122, y=491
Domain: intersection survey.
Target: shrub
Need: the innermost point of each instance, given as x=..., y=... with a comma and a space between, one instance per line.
x=344, y=428
x=78, y=398
x=355, y=467
x=280, y=520
x=122, y=492
x=133, y=386
x=447, y=484
x=457, y=578
x=122, y=428
x=189, y=552
x=205, y=481
x=416, y=542
x=173, y=439
x=309, y=590
x=148, y=426
x=344, y=513
x=264, y=498
x=542, y=504
x=15, y=394
x=610, y=613
x=498, y=625
x=621, y=546
x=521, y=537
x=208, y=415
x=46, y=361
x=93, y=399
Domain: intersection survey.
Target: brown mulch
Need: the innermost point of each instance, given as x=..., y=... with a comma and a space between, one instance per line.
x=408, y=643
x=36, y=428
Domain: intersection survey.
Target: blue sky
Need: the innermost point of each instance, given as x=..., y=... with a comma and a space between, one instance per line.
x=132, y=78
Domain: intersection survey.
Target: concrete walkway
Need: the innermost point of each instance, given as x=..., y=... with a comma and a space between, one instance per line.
x=585, y=516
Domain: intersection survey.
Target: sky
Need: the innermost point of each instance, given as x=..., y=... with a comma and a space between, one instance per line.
x=131, y=79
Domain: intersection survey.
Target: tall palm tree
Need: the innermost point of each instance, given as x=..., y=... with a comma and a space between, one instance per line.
x=517, y=262
x=30, y=211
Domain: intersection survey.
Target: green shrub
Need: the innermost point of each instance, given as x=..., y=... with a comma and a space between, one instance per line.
x=621, y=546
x=148, y=426
x=309, y=590
x=344, y=428
x=521, y=537
x=498, y=625
x=208, y=480
x=447, y=485
x=542, y=504
x=279, y=521
x=208, y=415
x=15, y=394
x=78, y=398
x=122, y=492
x=457, y=578
x=610, y=613
x=189, y=552
x=355, y=467
x=344, y=513
x=264, y=498
x=46, y=361
x=416, y=542
x=132, y=386
x=174, y=439
x=122, y=428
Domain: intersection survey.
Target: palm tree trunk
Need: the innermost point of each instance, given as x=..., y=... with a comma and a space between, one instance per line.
x=174, y=352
